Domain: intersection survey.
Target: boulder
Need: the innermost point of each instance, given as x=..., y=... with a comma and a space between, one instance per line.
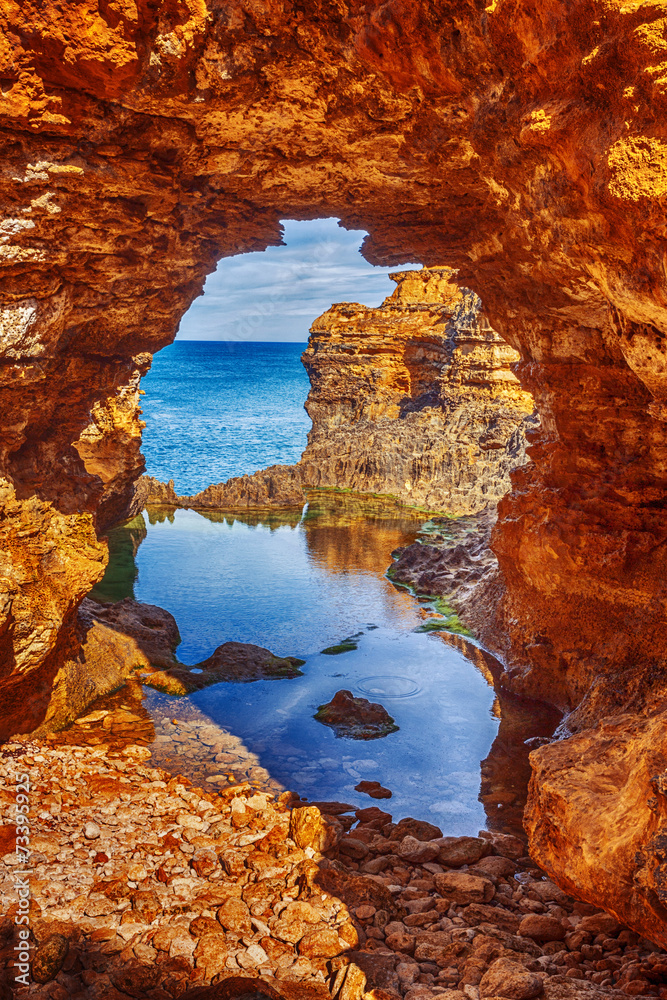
x=355, y=718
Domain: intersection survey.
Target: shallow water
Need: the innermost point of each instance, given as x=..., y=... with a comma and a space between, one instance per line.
x=298, y=585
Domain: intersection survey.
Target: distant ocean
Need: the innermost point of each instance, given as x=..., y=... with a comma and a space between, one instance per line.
x=216, y=409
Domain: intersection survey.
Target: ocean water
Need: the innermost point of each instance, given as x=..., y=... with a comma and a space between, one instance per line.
x=217, y=409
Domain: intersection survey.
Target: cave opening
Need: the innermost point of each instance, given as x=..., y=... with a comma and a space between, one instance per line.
x=227, y=397
x=417, y=417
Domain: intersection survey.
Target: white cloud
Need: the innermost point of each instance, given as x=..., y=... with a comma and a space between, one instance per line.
x=277, y=293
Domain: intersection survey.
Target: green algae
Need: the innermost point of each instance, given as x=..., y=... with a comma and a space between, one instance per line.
x=342, y=647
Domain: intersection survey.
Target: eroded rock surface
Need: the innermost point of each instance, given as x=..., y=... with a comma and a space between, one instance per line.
x=521, y=143
x=415, y=398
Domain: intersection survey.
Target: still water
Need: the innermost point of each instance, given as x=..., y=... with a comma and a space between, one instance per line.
x=296, y=585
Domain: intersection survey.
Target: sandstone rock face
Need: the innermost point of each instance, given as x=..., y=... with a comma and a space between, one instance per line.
x=597, y=816
x=415, y=398
x=520, y=143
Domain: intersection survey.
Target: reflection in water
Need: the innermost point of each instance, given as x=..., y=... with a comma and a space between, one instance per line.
x=124, y=542
x=297, y=584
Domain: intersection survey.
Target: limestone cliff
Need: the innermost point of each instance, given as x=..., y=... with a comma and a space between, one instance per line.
x=415, y=398
x=522, y=143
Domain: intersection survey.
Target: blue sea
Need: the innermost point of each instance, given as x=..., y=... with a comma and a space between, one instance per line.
x=216, y=409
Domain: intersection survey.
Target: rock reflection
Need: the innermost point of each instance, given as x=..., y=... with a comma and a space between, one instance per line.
x=505, y=772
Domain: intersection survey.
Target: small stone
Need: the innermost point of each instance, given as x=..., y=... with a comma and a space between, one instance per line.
x=234, y=916
x=374, y=789
x=353, y=848
x=401, y=941
x=496, y=866
x=365, y=912
x=457, y=851
x=146, y=904
x=505, y=845
x=205, y=862
x=91, y=831
x=135, y=978
x=323, y=942
x=49, y=958
x=599, y=923
x=541, y=927
x=356, y=718
x=309, y=828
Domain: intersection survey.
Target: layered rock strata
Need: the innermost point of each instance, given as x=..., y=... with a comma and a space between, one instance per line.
x=415, y=398
x=521, y=143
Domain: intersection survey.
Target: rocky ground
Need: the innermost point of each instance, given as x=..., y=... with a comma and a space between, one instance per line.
x=144, y=885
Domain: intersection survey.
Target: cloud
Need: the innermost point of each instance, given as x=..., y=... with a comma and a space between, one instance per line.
x=276, y=294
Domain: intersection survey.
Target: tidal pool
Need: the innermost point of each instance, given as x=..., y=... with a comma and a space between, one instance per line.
x=298, y=585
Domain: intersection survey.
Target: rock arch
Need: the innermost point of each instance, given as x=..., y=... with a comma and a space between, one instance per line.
x=521, y=142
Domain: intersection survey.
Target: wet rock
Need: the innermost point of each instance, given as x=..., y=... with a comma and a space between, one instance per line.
x=355, y=718
x=479, y=913
x=462, y=888
x=49, y=958
x=511, y=980
x=417, y=852
x=417, y=828
x=309, y=828
x=374, y=789
x=457, y=851
x=541, y=927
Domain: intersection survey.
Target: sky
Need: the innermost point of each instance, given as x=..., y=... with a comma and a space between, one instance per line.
x=277, y=293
